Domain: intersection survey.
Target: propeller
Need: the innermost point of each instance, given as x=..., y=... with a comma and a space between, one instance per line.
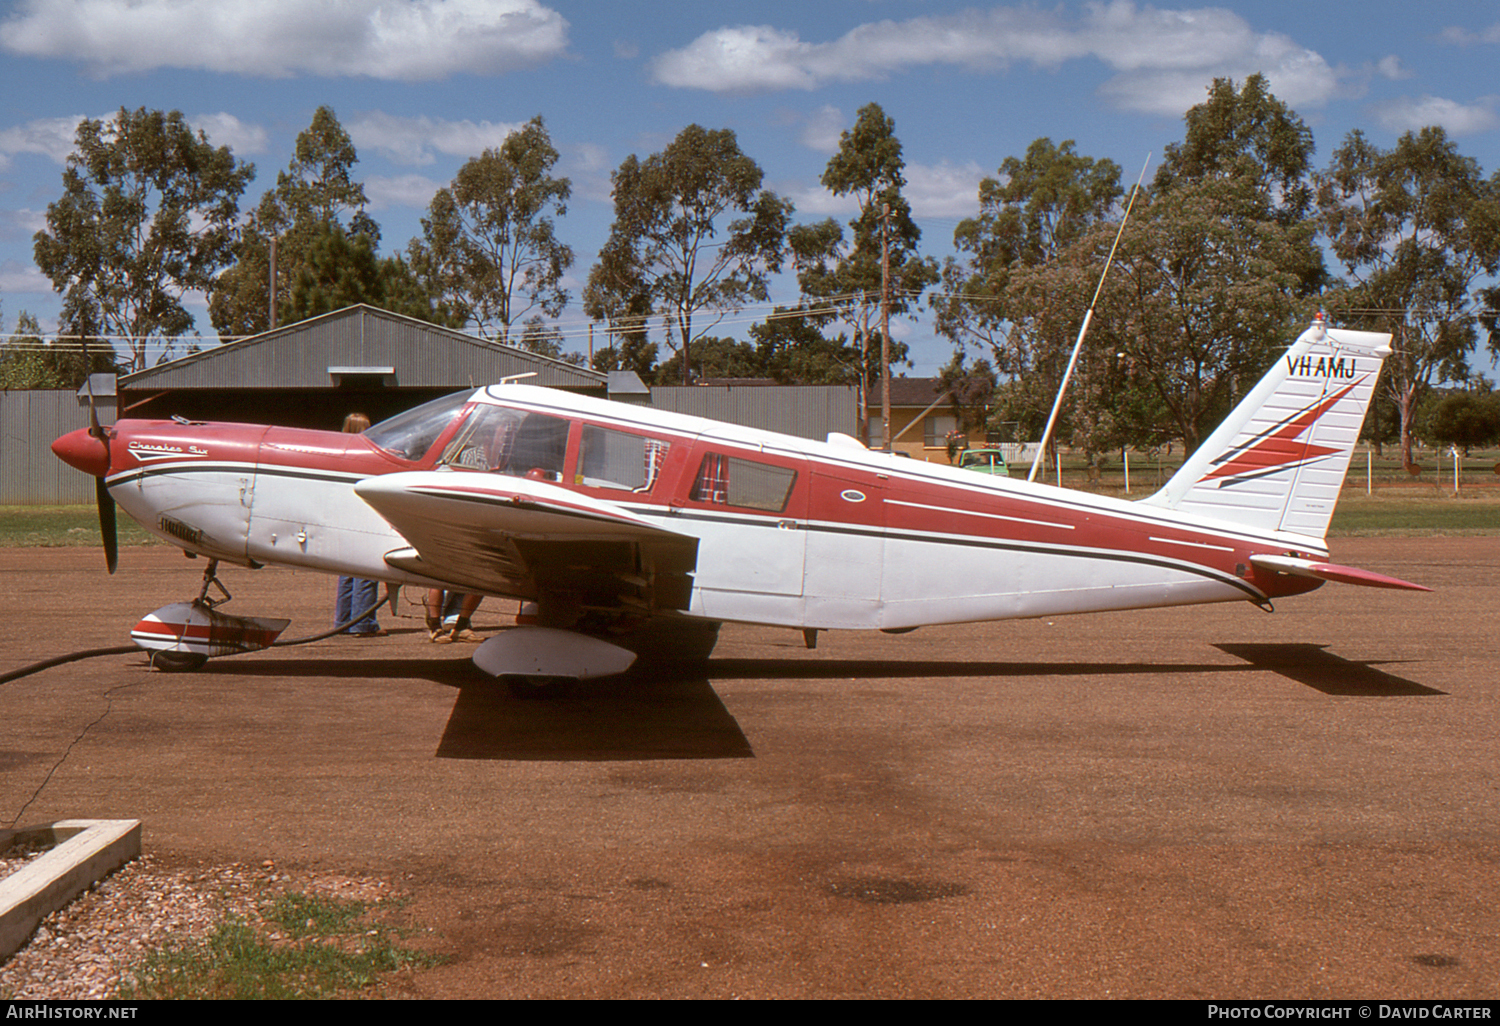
x=102, y=498
x=87, y=449
x=106, y=506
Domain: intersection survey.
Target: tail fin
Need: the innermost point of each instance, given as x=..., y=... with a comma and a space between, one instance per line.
x=1278, y=461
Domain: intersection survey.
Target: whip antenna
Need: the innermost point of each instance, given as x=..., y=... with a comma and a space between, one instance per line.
x=1084, y=328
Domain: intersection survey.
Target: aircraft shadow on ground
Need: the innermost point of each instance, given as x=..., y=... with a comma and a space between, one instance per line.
x=620, y=718
x=1303, y=663
x=615, y=719
x=640, y=716
x=1330, y=674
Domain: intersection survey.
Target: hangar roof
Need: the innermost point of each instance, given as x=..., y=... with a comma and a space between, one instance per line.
x=359, y=342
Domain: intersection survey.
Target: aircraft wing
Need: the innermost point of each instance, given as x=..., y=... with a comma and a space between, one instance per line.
x=516, y=536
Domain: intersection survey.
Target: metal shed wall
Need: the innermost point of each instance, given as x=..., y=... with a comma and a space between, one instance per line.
x=299, y=355
x=29, y=474
x=807, y=411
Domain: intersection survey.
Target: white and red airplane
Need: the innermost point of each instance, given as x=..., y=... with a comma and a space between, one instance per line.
x=634, y=529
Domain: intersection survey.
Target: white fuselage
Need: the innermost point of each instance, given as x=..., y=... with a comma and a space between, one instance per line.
x=865, y=540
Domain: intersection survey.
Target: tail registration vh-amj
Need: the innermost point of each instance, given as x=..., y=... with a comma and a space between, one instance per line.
x=643, y=530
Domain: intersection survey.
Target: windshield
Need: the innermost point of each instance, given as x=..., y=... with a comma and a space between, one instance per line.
x=410, y=434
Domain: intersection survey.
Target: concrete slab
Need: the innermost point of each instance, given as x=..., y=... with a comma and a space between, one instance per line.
x=85, y=851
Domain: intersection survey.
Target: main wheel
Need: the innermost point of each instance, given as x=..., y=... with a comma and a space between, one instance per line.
x=537, y=688
x=178, y=662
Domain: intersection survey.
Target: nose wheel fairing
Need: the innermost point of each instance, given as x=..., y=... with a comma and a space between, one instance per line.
x=196, y=628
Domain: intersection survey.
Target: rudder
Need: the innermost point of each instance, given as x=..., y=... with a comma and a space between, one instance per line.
x=1278, y=461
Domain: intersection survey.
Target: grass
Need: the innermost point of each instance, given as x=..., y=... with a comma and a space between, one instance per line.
x=51, y=527
x=309, y=947
x=1424, y=513
x=1400, y=505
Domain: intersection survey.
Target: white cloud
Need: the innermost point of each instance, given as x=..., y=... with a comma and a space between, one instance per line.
x=228, y=130
x=1411, y=114
x=1163, y=59
x=406, y=40
x=54, y=138
x=21, y=225
x=18, y=278
x=1392, y=68
x=813, y=201
x=1463, y=37
x=824, y=130
x=48, y=137
x=413, y=140
x=933, y=190
x=943, y=190
x=746, y=58
x=414, y=191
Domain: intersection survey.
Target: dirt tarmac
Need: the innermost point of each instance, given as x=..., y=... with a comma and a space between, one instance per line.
x=1209, y=802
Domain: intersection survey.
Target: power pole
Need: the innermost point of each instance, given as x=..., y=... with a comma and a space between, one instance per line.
x=271, y=312
x=885, y=324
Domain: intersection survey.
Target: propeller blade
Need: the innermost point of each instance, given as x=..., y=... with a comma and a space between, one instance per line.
x=107, y=524
x=102, y=498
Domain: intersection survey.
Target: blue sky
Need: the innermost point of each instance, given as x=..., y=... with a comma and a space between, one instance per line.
x=422, y=85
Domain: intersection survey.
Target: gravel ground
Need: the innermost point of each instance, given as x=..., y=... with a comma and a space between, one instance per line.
x=1193, y=803
x=84, y=951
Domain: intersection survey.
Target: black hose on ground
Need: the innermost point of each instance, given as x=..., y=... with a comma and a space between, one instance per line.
x=91, y=653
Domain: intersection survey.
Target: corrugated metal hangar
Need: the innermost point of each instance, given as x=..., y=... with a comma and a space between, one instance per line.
x=315, y=372
x=360, y=359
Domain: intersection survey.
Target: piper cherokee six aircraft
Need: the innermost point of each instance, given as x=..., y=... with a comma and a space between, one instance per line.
x=635, y=530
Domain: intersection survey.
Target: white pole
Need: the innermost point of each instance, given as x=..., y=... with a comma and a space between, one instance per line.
x=1369, y=471
x=1083, y=330
x=1127, y=471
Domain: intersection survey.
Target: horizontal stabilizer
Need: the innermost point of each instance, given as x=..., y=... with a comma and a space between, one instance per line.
x=1332, y=572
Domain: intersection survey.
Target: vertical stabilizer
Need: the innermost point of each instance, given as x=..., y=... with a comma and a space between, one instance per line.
x=1278, y=461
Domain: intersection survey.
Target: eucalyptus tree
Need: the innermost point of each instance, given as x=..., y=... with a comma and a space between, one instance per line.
x=1028, y=265
x=1206, y=293
x=148, y=215
x=694, y=238
x=29, y=361
x=317, y=189
x=841, y=275
x=339, y=270
x=1223, y=262
x=1417, y=228
x=489, y=239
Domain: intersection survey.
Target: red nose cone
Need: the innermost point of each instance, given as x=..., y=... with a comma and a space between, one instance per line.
x=83, y=451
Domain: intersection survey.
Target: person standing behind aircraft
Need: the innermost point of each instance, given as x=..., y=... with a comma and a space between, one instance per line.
x=448, y=616
x=356, y=594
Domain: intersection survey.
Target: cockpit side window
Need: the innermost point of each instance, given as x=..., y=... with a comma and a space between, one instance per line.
x=501, y=440
x=618, y=459
x=409, y=435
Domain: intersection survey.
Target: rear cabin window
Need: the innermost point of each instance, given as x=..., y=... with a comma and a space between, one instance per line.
x=730, y=481
x=618, y=459
x=513, y=442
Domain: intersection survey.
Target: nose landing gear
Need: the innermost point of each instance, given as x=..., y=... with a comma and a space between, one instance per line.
x=183, y=636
